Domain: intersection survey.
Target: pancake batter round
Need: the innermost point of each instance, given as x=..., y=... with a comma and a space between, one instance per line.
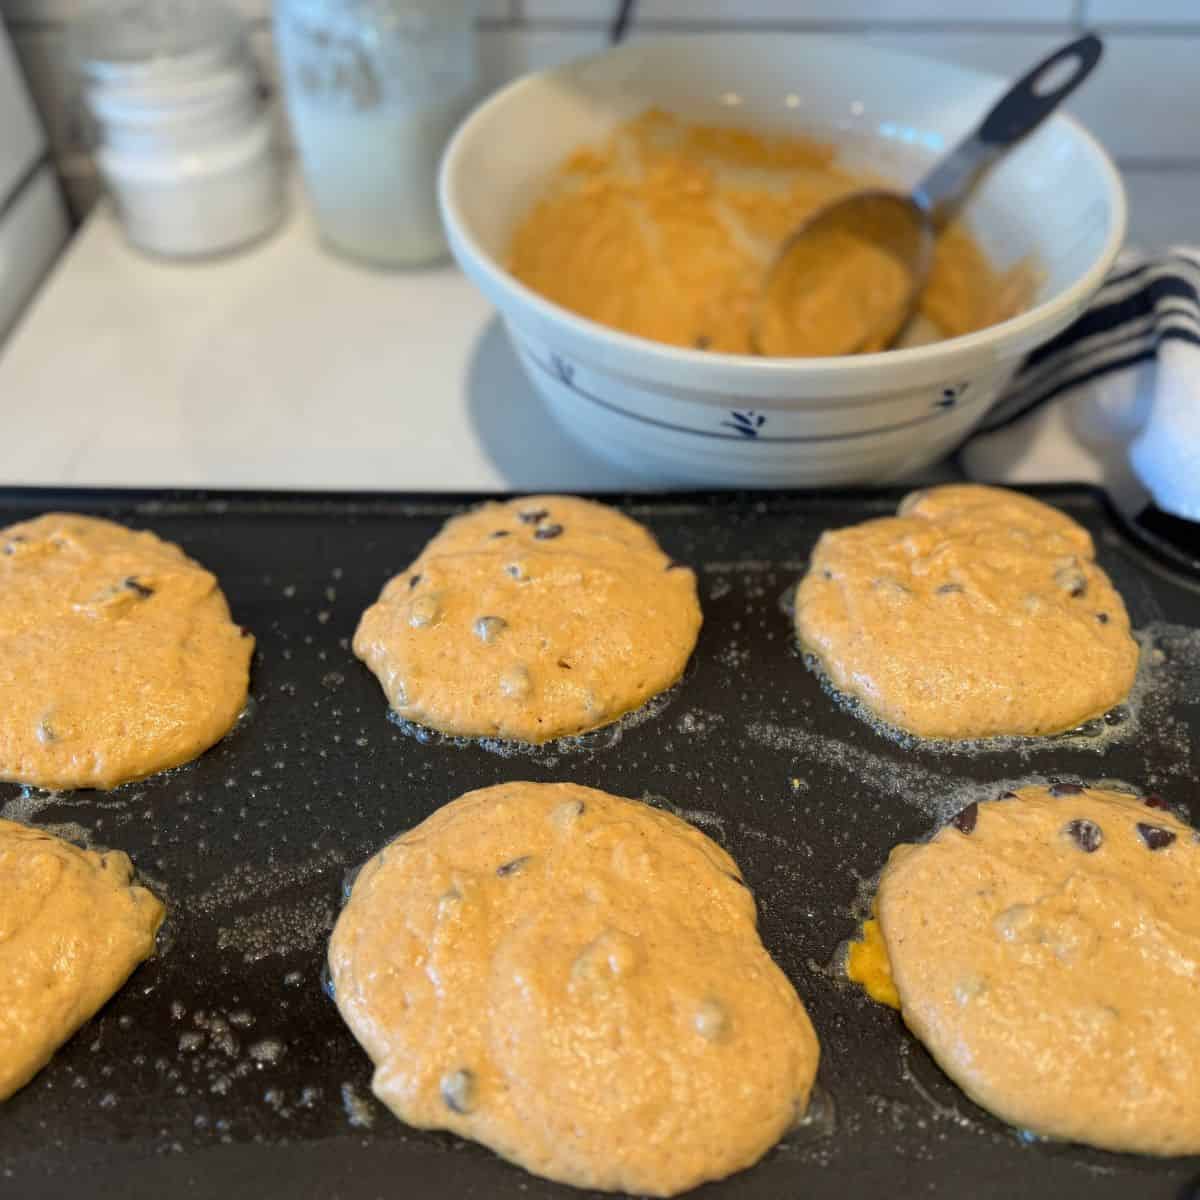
x=576, y=981
x=1046, y=949
x=975, y=612
x=72, y=928
x=531, y=619
x=118, y=657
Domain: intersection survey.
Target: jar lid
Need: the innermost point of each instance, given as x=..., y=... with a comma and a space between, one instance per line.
x=137, y=40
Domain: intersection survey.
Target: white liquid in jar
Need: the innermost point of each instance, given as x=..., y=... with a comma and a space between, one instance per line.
x=372, y=175
x=375, y=89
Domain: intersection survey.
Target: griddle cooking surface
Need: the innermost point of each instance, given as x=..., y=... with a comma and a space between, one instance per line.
x=222, y=1070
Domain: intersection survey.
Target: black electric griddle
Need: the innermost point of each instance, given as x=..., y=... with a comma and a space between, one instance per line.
x=222, y=1070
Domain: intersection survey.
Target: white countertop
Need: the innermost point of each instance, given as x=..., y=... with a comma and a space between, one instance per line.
x=281, y=367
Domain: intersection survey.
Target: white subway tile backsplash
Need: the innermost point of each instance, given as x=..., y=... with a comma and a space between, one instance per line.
x=1137, y=103
x=1164, y=206
x=43, y=12
x=1001, y=53
x=596, y=11
x=805, y=12
x=54, y=12
x=505, y=54
x=40, y=12
x=1142, y=12
x=1149, y=127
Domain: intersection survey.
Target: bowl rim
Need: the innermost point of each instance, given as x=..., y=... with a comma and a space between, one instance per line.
x=1021, y=330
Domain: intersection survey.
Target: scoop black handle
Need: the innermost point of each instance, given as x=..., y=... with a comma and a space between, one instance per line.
x=1017, y=113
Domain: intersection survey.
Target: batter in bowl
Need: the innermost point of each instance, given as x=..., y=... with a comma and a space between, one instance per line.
x=666, y=231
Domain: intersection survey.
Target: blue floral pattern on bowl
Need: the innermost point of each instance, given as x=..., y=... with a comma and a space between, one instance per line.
x=747, y=422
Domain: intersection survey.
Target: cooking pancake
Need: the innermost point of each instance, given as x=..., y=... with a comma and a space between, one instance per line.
x=72, y=928
x=576, y=981
x=531, y=619
x=1046, y=949
x=118, y=657
x=972, y=613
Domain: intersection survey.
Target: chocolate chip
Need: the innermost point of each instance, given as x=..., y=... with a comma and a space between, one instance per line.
x=133, y=584
x=965, y=820
x=826, y=574
x=534, y=515
x=702, y=342
x=511, y=868
x=738, y=879
x=948, y=589
x=1065, y=789
x=545, y=532
x=458, y=1091
x=1155, y=837
x=562, y=662
x=517, y=572
x=1087, y=835
x=413, y=581
x=1153, y=801
x=1102, y=618
x=244, y=631
x=499, y=533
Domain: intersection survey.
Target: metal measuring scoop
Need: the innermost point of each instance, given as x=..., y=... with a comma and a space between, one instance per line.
x=849, y=279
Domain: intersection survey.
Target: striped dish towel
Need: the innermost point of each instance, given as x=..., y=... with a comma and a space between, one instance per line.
x=1114, y=399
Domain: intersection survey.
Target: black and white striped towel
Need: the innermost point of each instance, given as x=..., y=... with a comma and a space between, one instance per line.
x=1114, y=399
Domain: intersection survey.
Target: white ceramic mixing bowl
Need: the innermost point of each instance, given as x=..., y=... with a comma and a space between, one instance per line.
x=694, y=417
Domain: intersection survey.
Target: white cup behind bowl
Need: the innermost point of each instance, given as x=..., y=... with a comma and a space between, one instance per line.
x=691, y=417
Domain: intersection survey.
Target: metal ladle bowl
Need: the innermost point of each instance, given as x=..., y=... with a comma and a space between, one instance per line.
x=848, y=252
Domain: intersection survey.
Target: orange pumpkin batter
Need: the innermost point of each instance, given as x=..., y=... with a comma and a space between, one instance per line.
x=666, y=232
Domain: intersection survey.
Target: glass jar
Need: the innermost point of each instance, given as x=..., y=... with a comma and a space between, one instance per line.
x=374, y=90
x=178, y=126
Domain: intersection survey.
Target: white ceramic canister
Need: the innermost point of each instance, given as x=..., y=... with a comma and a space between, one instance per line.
x=374, y=90
x=181, y=135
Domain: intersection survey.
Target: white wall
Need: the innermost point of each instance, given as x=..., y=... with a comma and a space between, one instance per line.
x=1144, y=102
